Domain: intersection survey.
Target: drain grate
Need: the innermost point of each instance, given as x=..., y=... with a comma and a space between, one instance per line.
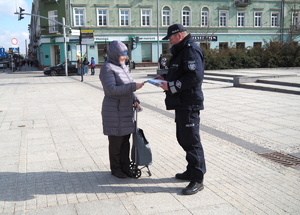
x=284, y=159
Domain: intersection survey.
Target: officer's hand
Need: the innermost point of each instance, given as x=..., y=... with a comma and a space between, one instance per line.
x=139, y=85
x=164, y=85
x=159, y=77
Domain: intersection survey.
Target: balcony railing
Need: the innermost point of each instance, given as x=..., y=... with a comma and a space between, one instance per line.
x=242, y=3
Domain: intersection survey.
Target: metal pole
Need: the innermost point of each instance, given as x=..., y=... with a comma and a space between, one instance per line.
x=26, y=47
x=81, y=65
x=65, y=46
x=157, y=31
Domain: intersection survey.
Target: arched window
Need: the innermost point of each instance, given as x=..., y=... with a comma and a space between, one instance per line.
x=186, y=16
x=166, y=16
x=205, y=17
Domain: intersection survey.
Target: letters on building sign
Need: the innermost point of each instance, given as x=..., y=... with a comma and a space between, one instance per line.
x=205, y=38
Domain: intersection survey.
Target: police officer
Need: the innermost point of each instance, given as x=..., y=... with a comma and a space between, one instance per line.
x=184, y=95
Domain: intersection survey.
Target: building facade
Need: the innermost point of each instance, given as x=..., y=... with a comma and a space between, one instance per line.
x=213, y=24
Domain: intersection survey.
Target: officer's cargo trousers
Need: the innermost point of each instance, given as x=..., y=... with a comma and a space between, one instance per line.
x=187, y=133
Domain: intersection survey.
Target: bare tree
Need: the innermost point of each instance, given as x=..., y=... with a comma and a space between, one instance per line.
x=207, y=34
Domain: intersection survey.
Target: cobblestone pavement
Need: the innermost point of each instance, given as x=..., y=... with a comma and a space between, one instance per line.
x=54, y=157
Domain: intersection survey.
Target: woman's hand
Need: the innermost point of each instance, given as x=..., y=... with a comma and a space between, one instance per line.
x=139, y=85
x=137, y=106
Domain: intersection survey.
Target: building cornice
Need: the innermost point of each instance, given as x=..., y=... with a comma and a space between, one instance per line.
x=224, y=8
x=124, y=5
x=275, y=9
x=78, y=5
x=145, y=5
x=101, y=5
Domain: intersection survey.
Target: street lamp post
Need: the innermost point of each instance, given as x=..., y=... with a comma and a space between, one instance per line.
x=65, y=46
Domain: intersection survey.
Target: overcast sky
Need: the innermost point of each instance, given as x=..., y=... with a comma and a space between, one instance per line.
x=10, y=27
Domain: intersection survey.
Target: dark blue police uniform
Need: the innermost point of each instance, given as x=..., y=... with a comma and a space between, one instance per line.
x=185, y=96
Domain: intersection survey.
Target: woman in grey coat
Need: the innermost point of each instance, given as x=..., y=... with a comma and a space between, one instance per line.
x=117, y=107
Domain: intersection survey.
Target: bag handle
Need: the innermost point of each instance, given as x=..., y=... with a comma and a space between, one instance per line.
x=135, y=118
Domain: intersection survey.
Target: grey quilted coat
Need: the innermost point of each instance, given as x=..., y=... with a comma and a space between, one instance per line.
x=118, y=85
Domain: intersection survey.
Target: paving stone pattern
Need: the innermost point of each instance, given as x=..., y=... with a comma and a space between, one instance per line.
x=54, y=157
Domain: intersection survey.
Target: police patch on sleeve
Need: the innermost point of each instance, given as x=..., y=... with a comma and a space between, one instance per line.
x=178, y=84
x=191, y=65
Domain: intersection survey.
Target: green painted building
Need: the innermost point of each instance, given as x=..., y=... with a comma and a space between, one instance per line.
x=212, y=23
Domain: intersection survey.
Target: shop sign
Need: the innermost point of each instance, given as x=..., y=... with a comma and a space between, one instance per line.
x=106, y=39
x=149, y=38
x=205, y=38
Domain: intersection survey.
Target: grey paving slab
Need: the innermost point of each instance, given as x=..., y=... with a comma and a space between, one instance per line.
x=153, y=204
x=111, y=206
x=65, y=209
x=217, y=209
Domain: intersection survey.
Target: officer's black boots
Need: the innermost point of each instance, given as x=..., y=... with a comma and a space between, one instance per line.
x=183, y=176
x=193, y=188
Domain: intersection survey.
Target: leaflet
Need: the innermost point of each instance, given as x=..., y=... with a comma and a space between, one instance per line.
x=156, y=82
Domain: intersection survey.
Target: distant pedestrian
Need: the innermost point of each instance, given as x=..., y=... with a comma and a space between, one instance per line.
x=86, y=66
x=105, y=57
x=31, y=63
x=21, y=64
x=78, y=66
x=28, y=62
x=93, y=66
x=17, y=64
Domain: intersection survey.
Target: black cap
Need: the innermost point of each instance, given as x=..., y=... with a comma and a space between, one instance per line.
x=173, y=29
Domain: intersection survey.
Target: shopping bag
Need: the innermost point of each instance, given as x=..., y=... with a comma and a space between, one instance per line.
x=141, y=151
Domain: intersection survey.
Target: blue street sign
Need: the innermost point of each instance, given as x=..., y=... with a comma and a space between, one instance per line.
x=2, y=54
x=2, y=50
x=15, y=50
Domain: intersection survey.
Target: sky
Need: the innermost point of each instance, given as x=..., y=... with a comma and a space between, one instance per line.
x=10, y=27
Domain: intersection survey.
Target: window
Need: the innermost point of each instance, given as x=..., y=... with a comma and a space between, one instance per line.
x=124, y=17
x=241, y=19
x=204, y=17
x=205, y=45
x=240, y=45
x=78, y=17
x=295, y=19
x=53, y=26
x=295, y=24
x=166, y=14
x=274, y=19
x=223, y=18
x=146, y=16
x=146, y=52
x=101, y=52
x=257, y=44
x=186, y=16
x=166, y=48
x=102, y=17
x=258, y=19
x=223, y=45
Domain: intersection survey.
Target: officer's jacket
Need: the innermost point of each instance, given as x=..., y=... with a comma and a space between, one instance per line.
x=185, y=76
